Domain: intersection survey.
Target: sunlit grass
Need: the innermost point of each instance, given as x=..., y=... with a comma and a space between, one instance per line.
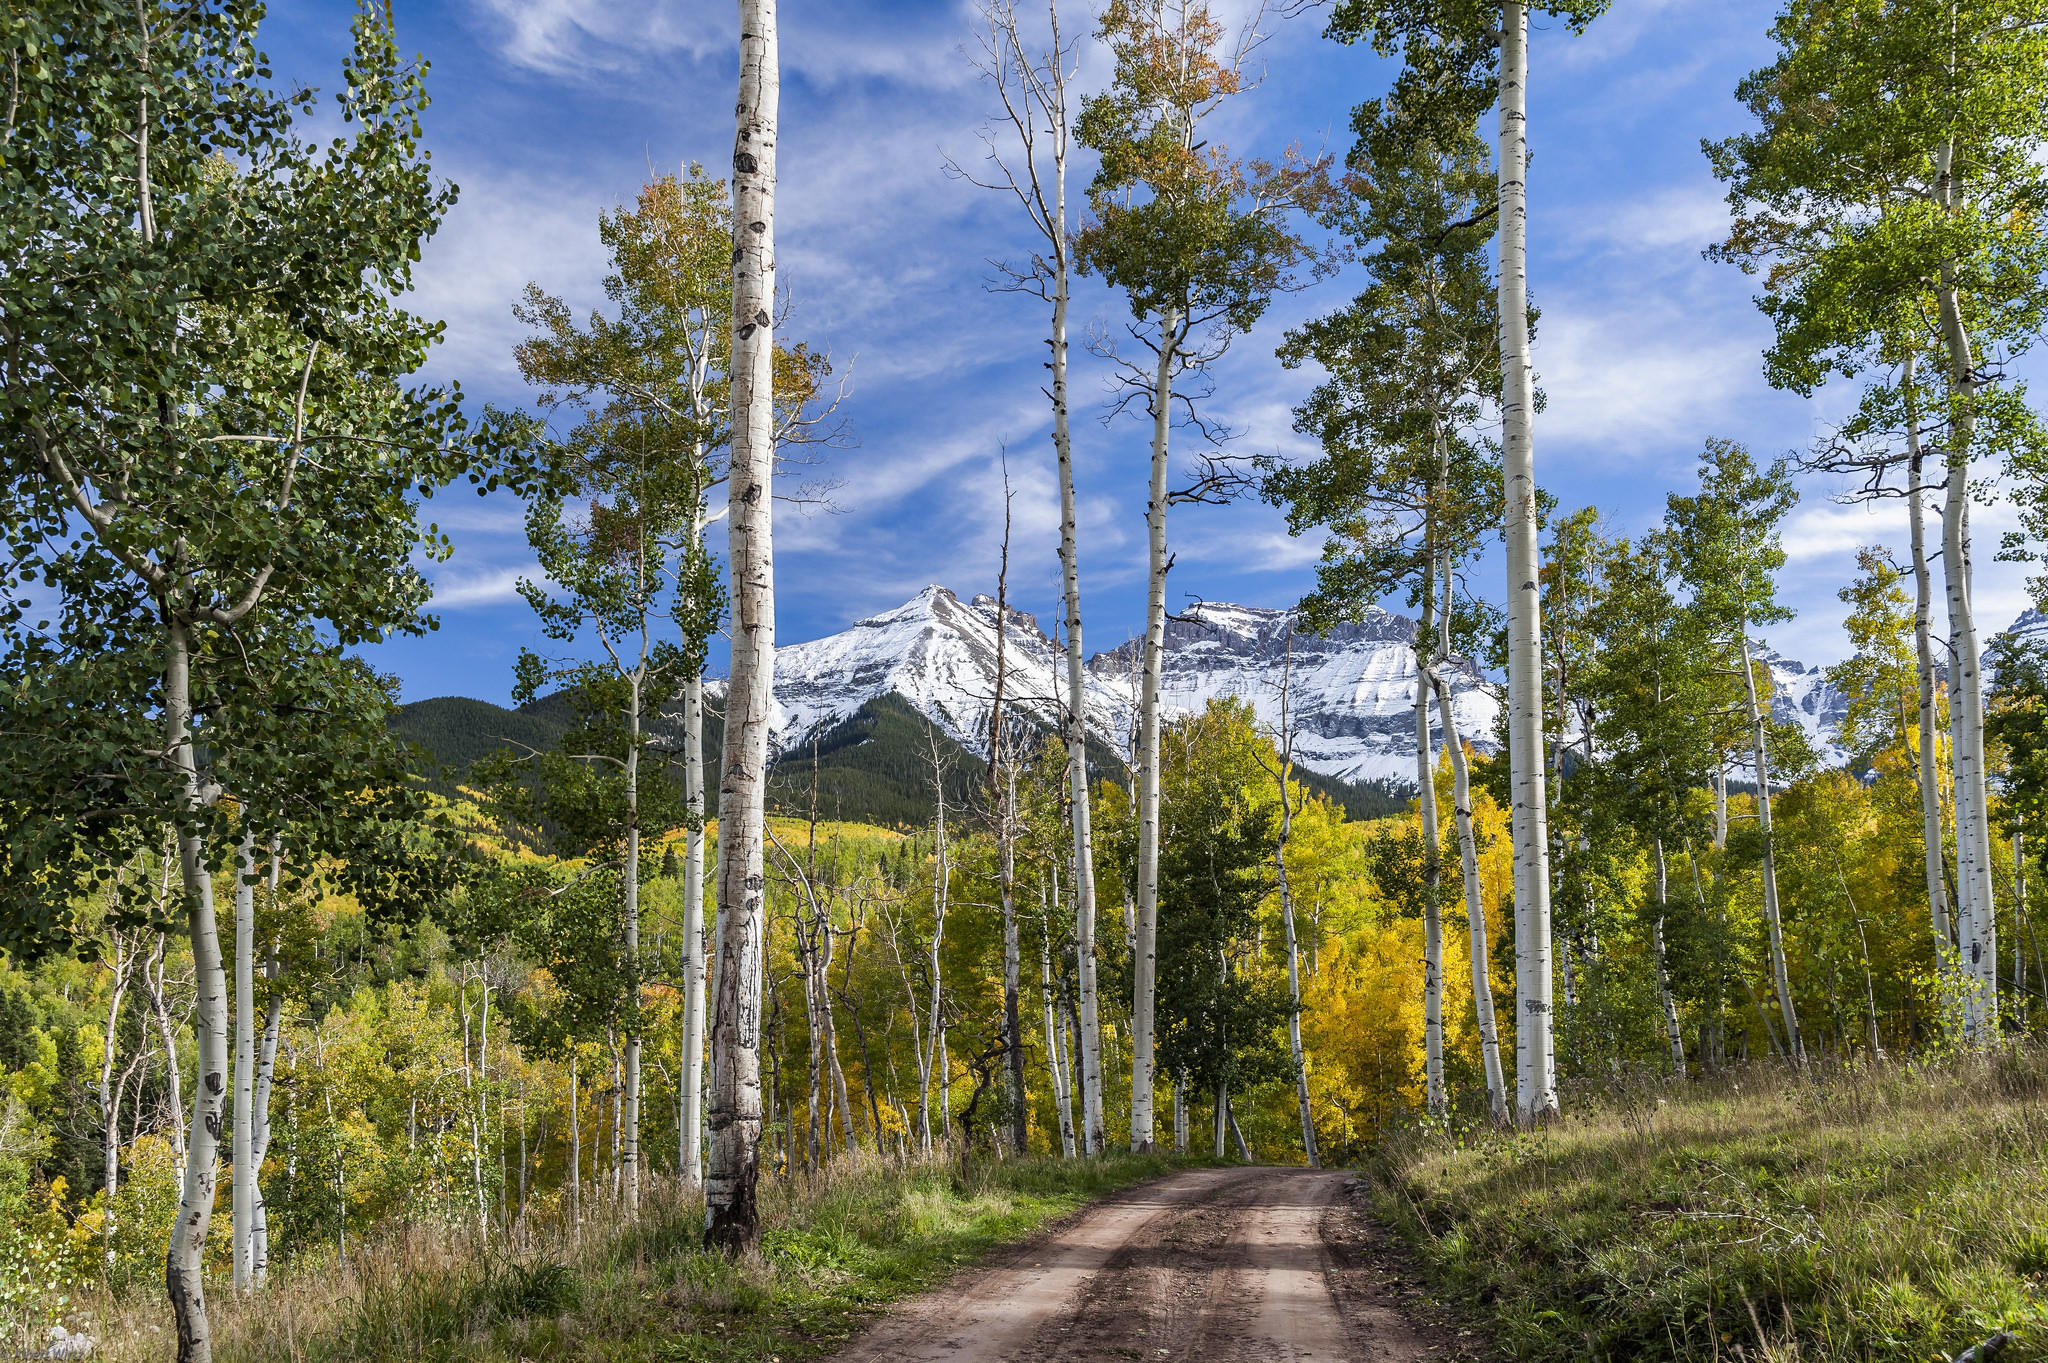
x=834, y=1250
x=1867, y=1213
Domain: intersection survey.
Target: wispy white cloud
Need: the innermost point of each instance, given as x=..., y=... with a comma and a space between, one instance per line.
x=464, y=590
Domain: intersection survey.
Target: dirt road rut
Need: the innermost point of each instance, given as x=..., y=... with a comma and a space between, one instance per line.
x=1218, y=1265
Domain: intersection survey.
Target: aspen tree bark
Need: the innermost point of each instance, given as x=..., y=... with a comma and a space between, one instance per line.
x=1978, y=921
x=1012, y=981
x=731, y=1215
x=690, y=1138
x=575, y=1142
x=1056, y=1075
x=184, y=1259
x=153, y=983
x=933, y=1062
x=1773, y=919
x=259, y=1116
x=259, y=1145
x=1475, y=911
x=1300, y=1057
x=1673, y=1037
x=830, y=1028
x=1078, y=796
x=1928, y=769
x=1535, y=1059
x=1286, y=831
x=122, y=966
x=629, y=1128
x=1432, y=863
x=1721, y=806
x=242, y=1193
x=1145, y=955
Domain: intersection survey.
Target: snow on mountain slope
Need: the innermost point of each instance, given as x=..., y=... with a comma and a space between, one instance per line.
x=933, y=651
x=1352, y=691
x=1804, y=696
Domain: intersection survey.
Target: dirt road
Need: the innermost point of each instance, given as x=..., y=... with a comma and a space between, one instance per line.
x=1217, y=1265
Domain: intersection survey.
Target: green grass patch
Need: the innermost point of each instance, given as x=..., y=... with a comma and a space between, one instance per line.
x=1875, y=1213
x=835, y=1250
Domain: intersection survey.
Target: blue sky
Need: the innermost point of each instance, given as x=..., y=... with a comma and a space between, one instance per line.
x=548, y=111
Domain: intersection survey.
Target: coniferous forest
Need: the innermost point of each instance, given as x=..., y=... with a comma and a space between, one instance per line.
x=1576, y=978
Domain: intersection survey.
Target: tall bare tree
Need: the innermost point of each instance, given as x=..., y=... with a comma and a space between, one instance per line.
x=1028, y=158
x=731, y=1215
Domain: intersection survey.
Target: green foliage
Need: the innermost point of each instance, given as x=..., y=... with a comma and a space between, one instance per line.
x=1406, y=479
x=1220, y=1017
x=210, y=449
x=2016, y=720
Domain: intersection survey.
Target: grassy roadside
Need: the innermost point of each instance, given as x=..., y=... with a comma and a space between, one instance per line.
x=1879, y=1213
x=834, y=1251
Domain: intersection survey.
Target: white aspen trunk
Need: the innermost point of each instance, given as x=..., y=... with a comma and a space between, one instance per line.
x=1299, y=1057
x=934, y=1059
x=110, y=1042
x=184, y=1258
x=575, y=1143
x=629, y=1128
x=1077, y=695
x=830, y=1029
x=945, y=1063
x=1145, y=955
x=1244, y=1149
x=1475, y=911
x=732, y=1218
x=1222, y=1116
x=1056, y=1073
x=1535, y=1058
x=242, y=1194
x=1773, y=920
x=266, y=1074
x=153, y=980
x=689, y=1137
x=1432, y=866
x=1020, y=1117
x=1978, y=919
x=1927, y=768
x=815, y=1029
x=1673, y=1037
x=1721, y=806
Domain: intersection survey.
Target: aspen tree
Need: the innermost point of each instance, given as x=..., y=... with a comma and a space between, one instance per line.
x=1458, y=59
x=1894, y=196
x=732, y=1216
x=1199, y=244
x=240, y=474
x=1029, y=161
x=1405, y=479
x=1727, y=548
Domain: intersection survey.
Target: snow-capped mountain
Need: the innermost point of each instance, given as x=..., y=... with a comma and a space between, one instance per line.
x=936, y=653
x=1352, y=694
x=1803, y=695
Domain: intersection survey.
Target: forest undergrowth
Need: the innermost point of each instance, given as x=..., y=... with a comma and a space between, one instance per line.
x=1886, y=1211
x=835, y=1248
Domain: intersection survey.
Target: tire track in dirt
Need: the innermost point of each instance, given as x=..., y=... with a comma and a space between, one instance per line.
x=1215, y=1265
